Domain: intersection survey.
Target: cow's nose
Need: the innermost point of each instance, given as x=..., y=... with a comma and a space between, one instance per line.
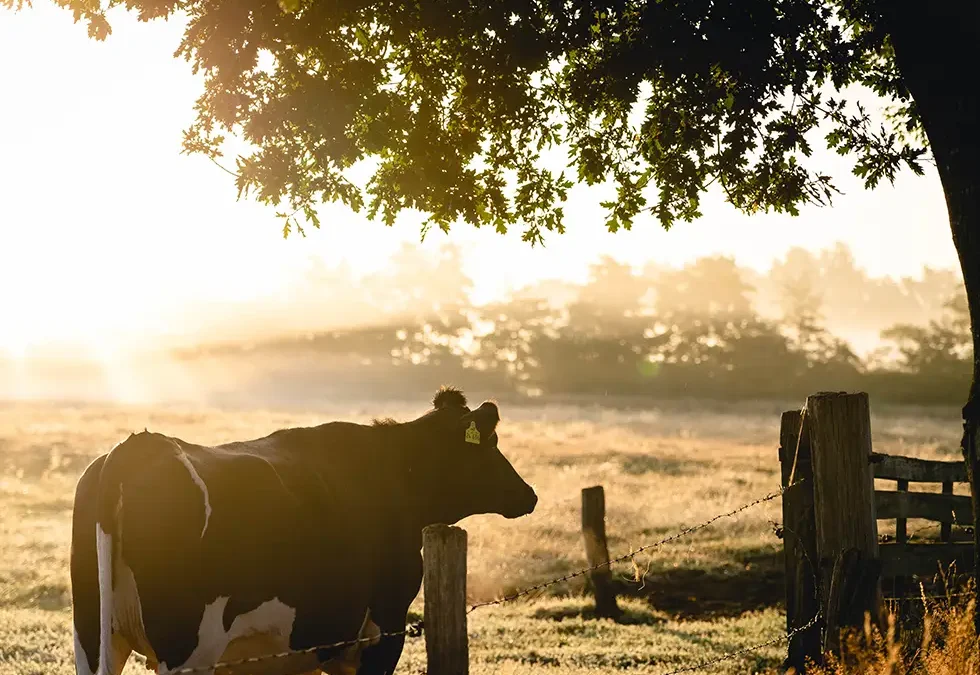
x=532, y=501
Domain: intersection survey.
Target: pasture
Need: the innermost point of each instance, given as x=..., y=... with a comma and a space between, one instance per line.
x=663, y=468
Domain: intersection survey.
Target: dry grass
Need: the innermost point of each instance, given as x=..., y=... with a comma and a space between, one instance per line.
x=662, y=468
x=941, y=641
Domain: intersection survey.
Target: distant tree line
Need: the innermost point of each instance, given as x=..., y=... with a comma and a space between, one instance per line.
x=707, y=330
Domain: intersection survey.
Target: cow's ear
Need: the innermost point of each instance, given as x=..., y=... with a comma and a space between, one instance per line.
x=487, y=416
x=481, y=423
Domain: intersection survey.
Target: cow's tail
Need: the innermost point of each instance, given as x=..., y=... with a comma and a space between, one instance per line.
x=123, y=459
x=103, y=545
x=109, y=502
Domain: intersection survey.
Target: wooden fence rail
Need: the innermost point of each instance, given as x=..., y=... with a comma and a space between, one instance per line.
x=902, y=561
x=943, y=508
x=924, y=560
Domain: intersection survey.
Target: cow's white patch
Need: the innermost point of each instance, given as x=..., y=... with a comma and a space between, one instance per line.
x=272, y=619
x=103, y=547
x=81, y=658
x=262, y=631
x=185, y=460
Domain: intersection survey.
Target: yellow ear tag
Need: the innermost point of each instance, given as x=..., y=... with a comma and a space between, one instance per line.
x=473, y=434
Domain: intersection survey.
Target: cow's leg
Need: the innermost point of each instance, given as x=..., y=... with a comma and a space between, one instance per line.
x=382, y=658
x=389, y=609
x=350, y=662
x=84, y=569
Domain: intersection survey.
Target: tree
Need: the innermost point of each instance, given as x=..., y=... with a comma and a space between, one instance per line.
x=706, y=287
x=822, y=352
x=610, y=303
x=457, y=105
x=941, y=348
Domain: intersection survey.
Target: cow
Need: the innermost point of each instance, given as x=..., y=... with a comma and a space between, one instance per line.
x=194, y=555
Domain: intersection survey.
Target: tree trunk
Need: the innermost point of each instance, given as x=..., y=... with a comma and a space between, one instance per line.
x=937, y=45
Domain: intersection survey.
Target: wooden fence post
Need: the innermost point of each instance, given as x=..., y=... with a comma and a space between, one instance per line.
x=444, y=556
x=799, y=541
x=597, y=551
x=846, y=525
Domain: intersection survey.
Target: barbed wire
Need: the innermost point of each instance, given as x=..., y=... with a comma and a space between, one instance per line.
x=780, y=531
x=633, y=553
x=782, y=637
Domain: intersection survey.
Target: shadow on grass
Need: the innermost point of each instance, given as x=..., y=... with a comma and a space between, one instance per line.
x=756, y=582
x=751, y=580
x=630, y=616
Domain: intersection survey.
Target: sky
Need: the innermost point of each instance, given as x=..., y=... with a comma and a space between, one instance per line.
x=109, y=236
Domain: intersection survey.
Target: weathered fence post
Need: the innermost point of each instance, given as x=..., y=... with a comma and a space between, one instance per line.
x=846, y=525
x=444, y=556
x=597, y=550
x=799, y=541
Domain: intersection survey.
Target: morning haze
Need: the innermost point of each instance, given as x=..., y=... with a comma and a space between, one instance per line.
x=331, y=331
x=146, y=272
x=149, y=314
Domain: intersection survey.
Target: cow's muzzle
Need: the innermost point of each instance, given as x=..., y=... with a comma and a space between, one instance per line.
x=522, y=504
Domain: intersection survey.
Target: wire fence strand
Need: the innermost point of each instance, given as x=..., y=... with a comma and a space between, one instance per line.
x=413, y=630
x=782, y=637
x=633, y=553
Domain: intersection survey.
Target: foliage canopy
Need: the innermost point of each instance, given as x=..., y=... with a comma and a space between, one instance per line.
x=487, y=112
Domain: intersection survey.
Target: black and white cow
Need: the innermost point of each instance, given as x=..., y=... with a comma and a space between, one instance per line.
x=192, y=555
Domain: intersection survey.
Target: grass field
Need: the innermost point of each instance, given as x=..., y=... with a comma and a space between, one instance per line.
x=663, y=469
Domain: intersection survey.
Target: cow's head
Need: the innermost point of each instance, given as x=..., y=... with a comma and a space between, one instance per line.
x=477, y=478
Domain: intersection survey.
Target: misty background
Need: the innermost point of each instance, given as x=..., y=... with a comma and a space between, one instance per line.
x=709, y=329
